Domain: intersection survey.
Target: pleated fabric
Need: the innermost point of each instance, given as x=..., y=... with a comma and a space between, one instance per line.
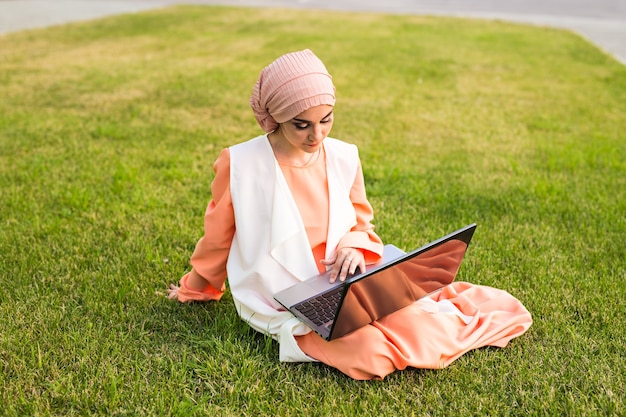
x=288, y=86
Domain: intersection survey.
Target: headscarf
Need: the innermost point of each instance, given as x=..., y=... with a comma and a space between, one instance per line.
x=291, y=84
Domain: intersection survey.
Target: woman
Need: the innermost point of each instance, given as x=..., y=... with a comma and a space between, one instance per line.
x=291, y=203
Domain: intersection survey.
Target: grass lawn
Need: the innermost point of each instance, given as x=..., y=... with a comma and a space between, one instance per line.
x=108, y=132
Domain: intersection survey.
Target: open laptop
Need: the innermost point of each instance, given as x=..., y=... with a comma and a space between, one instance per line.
x=334, y=310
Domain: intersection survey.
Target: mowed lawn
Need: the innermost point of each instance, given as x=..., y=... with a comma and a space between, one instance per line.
x=108, y=132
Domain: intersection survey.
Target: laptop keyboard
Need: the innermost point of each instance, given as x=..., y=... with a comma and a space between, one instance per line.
x=321, y=309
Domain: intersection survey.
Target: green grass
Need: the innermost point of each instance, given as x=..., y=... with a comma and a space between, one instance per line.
x=108, y=132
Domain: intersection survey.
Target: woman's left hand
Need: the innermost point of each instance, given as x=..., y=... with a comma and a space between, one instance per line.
x=345, y=261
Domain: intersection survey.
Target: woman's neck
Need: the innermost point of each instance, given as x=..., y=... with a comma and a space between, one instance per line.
x=286, y=153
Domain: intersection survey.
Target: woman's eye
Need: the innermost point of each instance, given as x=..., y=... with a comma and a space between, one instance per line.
x=302, y=126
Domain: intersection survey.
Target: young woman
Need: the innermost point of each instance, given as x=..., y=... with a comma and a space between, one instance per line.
x=291, y=203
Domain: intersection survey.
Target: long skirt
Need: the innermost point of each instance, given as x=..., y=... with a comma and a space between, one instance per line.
x=430, y=333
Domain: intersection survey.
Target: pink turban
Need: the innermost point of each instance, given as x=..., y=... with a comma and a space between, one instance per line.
x=293, y=83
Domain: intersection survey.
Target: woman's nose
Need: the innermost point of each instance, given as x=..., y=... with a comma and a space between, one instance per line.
x=318, y=132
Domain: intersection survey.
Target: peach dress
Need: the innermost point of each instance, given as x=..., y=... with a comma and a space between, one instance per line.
x=430, y=333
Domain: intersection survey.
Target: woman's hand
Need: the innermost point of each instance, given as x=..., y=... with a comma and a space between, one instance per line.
x=193, y=287
x=345, y=261
x=172, y=292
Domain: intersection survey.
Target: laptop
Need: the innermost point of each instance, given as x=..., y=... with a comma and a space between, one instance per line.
x=399, y=279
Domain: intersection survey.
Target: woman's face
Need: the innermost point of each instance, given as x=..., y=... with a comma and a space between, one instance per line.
x=308, y=130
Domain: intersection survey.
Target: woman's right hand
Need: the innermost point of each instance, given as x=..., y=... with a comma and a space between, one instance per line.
x=186, y=291
x=172, y=292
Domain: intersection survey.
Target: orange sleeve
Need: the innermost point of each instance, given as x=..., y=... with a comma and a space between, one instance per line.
x=362, y=235
x=211, y=253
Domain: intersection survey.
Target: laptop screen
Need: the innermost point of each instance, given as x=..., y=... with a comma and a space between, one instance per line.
x=396, y=287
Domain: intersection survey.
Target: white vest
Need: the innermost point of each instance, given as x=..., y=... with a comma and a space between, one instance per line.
x=270, y=250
